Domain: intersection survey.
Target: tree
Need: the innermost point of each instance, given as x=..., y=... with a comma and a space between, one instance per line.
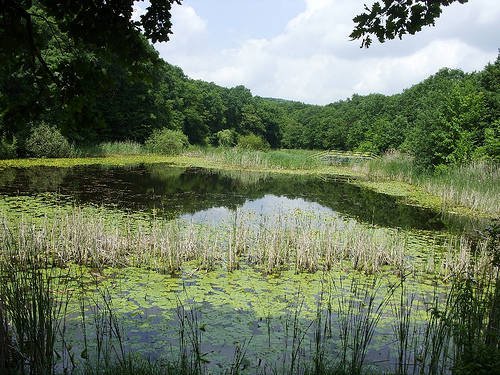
x=90, y=92
x=235, y=98
x=100, y=23
x=388, y=19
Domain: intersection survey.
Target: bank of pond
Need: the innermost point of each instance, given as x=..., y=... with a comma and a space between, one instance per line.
x=158, y=269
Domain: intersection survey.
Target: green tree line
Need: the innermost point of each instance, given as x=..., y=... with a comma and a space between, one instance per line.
x=95, y=94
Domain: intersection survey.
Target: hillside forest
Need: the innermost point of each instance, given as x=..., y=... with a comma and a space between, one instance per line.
x=93, y=94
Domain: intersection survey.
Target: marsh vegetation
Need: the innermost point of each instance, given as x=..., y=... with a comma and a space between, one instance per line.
x=473, y=185
x=194, y=271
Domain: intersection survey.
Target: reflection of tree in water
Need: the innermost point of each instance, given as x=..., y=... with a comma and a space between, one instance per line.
x=7, y=177
x=244, y=177
x=33, y=180
x=46, y=179
x=163, y=173
x=172, y=191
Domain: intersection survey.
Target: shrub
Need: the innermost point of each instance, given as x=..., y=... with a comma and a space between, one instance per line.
x=166, y=141
x=8, y=150
x=46, y=141
x=253, y=142
x=226, y=138
x=367, y=146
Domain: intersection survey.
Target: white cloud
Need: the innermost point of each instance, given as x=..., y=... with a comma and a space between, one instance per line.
x=312, y=59
x=382, y=74
x=187, y=22
x=188, y=34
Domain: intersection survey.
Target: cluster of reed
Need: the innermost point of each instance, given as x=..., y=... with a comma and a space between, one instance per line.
x=459, y=332
x=300, y=242
x=474, y=185
x=32, y=306
x=248, y=159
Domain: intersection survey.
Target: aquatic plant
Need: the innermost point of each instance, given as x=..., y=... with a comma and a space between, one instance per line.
x=33, y=299
x=452, y=328
x=255, y=159
x=301, y=242
x=474, y=185
x=359, y=312
x=350, y=311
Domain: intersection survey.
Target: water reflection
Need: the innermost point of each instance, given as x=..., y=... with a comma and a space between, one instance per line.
x=200, y=195
x=268, y=208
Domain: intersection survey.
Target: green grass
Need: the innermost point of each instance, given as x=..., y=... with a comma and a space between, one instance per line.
x=276, y=161
x=475, y=186
x=251, y=159
x=244, y=158
x=113, y=149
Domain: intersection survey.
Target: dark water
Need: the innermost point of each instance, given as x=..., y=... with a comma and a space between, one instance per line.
x=204, y=195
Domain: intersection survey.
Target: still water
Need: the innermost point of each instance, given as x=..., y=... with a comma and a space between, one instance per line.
x=203, y=195
x=237, y=308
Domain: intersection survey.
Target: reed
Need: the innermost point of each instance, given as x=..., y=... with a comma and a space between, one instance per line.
x=474, y=185
x=252, y=159
x=359, y=313
x=460, y=332
x=404, y=328
x=301, y=242
x=453, y=337
x=33, y=301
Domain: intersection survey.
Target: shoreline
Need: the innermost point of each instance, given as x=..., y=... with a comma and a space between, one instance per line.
x=408, y=193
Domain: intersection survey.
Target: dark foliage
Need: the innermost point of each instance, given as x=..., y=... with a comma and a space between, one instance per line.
x=388, y=19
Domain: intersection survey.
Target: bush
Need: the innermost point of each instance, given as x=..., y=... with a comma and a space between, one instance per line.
x=46, y=141
x=8, y=150
x=166, y=141
x=253, y=142
x=226, y=138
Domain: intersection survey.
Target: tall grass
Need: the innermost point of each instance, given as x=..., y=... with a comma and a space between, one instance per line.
x=475, y=185
x=459, y=334
x=301, y=242
x=113, y=149
x=404, y=328
x=33, y=300
x=248, y=159
x=452, y=338
x=359, y=312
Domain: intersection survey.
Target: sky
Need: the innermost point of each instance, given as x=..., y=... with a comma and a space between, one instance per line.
x=300, y=49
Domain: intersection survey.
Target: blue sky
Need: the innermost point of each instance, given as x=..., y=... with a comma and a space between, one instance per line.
x=232, y=22
x=300, y=50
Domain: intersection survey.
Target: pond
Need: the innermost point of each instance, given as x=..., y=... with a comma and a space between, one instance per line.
x=269, y=316
x=200, y=194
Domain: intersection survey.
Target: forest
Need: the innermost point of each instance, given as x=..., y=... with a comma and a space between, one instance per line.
x=93, y=94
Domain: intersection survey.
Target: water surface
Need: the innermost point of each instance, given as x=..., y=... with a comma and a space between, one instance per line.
x=204, y=195
x=231, y=307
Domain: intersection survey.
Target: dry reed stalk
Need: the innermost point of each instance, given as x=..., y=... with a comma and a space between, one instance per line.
x=302, y=242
